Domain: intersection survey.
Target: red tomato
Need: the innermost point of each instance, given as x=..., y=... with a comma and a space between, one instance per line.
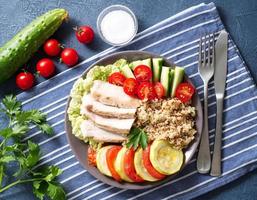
x=45, y=67
x=25, y=80
x=143, y=73
x=129, y=86
x=91, y=156
x=148, y=165
x=111, y=155
x=159, y=90
x=69, y=56
x=116, y=78
x=184, y=92
x=145, y=90
x=85, y=34
x=52, y=47
x=129, y=167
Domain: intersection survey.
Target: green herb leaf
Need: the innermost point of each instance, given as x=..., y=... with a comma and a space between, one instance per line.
x=54, y=191
x=11, y=105
x=6, y=133
x=137, y=137
x=40, y=189
x=33, y=154
x=7, y=159
x=45, y=128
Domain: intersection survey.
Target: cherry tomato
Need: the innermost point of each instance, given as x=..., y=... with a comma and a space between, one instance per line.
x=129, y=86
x=159, y=90
x=45, y=67
x=69, y=56
x=116, y=78
x=129, y=167
x=52, y=47
x=111, y=155
x=85, y=34
x=91, y=156
x=25, y=80
x=143, y=73
x=146, y=91
x=184, y=92
x=148, y=165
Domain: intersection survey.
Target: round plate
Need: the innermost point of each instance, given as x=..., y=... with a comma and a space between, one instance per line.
x=79, y=148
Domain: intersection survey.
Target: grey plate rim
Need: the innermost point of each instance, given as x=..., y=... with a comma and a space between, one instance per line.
x=79, y=148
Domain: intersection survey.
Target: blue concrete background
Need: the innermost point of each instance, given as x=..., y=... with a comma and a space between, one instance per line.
x=239, y=17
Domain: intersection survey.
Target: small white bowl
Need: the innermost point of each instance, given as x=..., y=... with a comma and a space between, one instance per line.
x=110, y=9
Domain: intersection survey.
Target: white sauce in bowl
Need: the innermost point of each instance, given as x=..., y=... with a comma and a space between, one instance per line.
x=118, y=27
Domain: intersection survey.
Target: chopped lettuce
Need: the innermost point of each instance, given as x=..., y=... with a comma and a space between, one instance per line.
x=82, y=87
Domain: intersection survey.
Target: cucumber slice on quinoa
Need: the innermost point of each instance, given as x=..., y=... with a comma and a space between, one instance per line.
x=165, y=80
x=157, y=68
x=178, y=78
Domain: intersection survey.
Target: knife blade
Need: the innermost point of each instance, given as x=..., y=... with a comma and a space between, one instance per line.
x=220, y=75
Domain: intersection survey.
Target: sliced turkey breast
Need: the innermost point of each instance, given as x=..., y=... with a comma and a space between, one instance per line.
x=107, y=111
x=114, y=125
x=88, y=129
x=112, y=95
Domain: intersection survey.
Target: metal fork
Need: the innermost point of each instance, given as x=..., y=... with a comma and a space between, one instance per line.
x=206, y=71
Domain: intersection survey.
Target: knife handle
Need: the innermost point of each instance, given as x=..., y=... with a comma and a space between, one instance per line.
x=216, y=159
x=204, y=156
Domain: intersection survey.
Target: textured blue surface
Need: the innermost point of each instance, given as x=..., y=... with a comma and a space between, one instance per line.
x=238, y=16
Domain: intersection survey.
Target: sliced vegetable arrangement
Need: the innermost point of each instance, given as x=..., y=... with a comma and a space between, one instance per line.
x=141, y=91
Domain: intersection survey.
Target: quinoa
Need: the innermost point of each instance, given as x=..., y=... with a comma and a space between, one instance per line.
x=168, y=119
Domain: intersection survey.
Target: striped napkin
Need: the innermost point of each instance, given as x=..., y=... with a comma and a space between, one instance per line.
x=177, y=39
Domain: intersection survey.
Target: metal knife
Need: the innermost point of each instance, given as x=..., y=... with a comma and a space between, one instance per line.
x=220, y=75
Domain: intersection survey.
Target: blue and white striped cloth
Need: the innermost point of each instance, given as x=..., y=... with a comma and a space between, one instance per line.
x=177, y=39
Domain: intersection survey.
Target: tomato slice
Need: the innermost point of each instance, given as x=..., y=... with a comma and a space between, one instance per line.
x=145, y=90
x=184, y=92
x=159, y=90
x=129, y=167
x=111, y=155
x=117, y=78
x=129, y=86
x=148, y=165
x=91, y=156
x=143, y=73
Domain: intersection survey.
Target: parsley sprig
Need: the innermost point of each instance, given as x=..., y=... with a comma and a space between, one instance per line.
x=26, y=153
x=137, y=137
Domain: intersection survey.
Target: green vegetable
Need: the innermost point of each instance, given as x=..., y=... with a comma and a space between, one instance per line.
x=26, y=155
x=127, y=71
x=22, y=46
x=137, y=137
x=178, y=78
x=165, y=80
x=147, y=62
x=157, y=68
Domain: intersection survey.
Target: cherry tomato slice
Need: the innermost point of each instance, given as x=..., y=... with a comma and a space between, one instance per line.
x=129, y=167
x=146, y=91
x=111, y=155
x=45, y=67
x=129, y=86
x=184, y=92
x=91, y=156
x=25, y=80
x=52, y=47
x=143, y=73
x=148, y=165
x=116, y=78
x=159, y=90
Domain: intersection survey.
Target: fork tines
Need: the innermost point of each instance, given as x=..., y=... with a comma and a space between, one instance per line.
x=206, y=42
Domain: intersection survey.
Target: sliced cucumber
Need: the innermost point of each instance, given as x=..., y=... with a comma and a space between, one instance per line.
x=165, y=79
x=134, y=64
x=178, y=78
x=164, y=158
x=157, y=68
x=127, y=71
x=172, y=71
x=147, y=62
x=120, y=63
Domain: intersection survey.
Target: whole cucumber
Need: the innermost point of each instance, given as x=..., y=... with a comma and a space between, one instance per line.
x=22, y=46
